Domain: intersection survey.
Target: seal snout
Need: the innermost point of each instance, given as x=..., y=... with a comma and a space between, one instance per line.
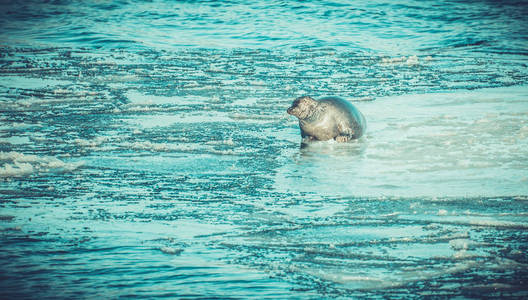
x=297, y=107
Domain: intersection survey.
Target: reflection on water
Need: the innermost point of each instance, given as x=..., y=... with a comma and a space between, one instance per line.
x=318, y=149
x=136, y=160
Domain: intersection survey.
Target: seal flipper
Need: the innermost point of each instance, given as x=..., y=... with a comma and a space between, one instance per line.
x=342, y=138
x=345, y=133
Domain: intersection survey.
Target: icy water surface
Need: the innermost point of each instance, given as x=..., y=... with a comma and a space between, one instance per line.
x=145, y=150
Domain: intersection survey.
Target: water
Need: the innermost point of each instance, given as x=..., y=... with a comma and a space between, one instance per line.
x=146, y=151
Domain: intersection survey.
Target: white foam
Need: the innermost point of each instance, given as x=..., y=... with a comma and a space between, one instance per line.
x=90, y=143
x=16, y=170
x=462, y=244
x=15, y=164
x=492, y=287
x=170, y=250
x=473, y=221
x=223, y=152
x=442, y=212
x=257, y=117
x=150, y=146
x=463, y=254
x=410, y=60
x=359, y=280
x=185, y=147
x=228, y=141
x=160, y=147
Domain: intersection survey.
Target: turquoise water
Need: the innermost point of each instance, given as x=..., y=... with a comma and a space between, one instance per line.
x=146, y=152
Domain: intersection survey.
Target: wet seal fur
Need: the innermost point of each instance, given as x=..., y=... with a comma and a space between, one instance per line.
x=328, y=118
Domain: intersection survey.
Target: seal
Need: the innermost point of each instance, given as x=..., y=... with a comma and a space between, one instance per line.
x=328, y=118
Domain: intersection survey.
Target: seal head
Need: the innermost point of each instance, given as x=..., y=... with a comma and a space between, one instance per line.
x=303, y=107
x=328, y=118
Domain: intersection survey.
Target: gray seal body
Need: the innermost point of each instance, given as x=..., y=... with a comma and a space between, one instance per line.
x=328, y=118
